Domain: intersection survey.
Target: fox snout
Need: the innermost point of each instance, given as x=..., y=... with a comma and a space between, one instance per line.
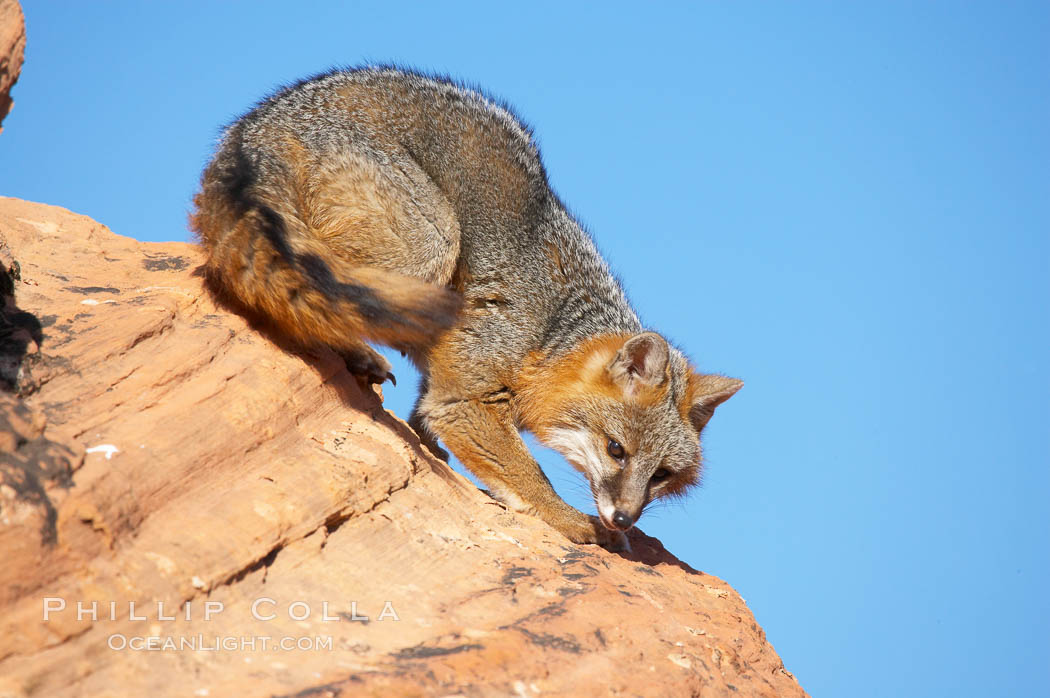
x=621, y=521
x=618, y=513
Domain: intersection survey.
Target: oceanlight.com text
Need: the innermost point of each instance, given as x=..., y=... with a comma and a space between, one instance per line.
x=218, y=643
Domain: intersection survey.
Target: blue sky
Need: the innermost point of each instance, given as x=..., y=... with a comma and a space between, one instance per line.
x=846, y=205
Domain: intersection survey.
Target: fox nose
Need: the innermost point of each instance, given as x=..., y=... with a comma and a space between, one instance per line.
x=622, y=521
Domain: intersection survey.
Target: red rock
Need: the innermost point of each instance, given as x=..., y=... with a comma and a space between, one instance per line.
x=12, y=50
x=159, y=449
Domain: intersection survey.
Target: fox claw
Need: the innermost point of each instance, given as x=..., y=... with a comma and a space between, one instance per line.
x=380, y=378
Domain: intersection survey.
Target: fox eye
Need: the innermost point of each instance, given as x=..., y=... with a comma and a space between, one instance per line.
x=661, y=474
x=616, y=450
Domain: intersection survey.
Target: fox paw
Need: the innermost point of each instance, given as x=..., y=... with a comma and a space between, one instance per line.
x=426, y=437
x=432, y=445
x=616, y=542
x=589, y=530
x=367, y=365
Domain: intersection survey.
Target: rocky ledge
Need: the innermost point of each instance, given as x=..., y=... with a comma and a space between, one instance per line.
x=208, y=495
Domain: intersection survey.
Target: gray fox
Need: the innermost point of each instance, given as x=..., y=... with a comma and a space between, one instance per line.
x=381, y=205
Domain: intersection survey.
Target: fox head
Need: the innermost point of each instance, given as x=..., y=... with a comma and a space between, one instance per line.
x=627, y=411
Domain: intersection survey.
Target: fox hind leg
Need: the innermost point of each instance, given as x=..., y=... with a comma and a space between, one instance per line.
x=419, y=424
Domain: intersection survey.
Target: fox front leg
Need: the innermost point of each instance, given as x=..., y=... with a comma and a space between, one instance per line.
x=482, y=435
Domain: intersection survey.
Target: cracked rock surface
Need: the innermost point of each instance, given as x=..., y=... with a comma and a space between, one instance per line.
x=156, y=449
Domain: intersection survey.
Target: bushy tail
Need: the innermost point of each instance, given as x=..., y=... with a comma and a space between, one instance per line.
x=311, y=293
x=388, y=307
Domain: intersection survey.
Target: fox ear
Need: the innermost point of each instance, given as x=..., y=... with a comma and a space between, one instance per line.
x=709, y=391
x=641, y=361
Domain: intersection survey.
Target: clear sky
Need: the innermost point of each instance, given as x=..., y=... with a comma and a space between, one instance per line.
x=845, y=204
